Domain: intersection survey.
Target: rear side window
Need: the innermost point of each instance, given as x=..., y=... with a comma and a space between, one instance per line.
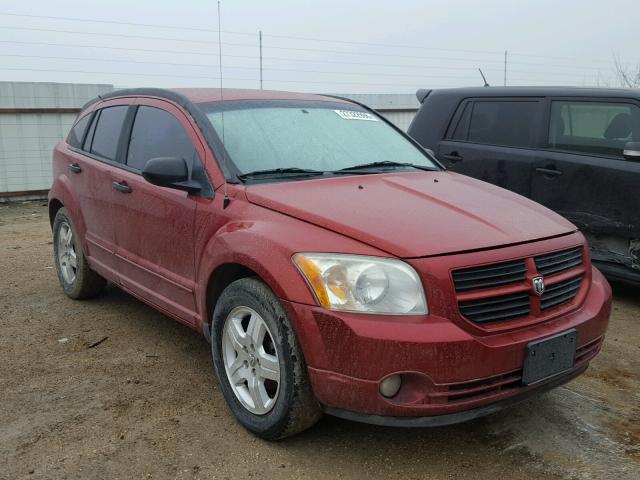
x=593, y=127
x=157, y=133
x=502, y=123
x=77, y=132
x=107, y=131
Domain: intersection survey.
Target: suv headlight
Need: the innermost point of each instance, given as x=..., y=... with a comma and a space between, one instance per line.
x=358, y=283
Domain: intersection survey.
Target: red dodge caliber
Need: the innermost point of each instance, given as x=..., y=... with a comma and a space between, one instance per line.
x=333, y=264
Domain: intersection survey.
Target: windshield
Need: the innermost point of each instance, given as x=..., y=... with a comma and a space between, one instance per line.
x=314, y=136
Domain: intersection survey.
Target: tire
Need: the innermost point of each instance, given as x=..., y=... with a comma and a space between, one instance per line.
x=291, y=406
x=78, y=281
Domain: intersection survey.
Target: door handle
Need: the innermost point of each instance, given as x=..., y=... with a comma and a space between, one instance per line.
x=452, y=157
x=121, y=187
x=549, y=171
x=74, y=168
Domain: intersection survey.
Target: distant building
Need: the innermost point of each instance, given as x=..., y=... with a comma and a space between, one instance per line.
x=35, y=116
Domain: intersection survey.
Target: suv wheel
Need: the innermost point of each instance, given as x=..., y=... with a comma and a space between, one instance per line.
x=76, y=278
x=259, y=363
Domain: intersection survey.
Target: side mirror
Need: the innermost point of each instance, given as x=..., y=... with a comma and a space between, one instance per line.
x=171, y=172
x=631, y=151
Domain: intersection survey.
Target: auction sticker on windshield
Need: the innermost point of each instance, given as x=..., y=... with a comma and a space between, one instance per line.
x=353, y=115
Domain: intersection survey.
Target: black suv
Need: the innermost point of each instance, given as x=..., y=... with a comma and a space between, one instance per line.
x=574, y=150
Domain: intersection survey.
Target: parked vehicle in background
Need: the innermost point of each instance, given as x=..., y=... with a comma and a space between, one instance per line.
x=332, y=263
x=574, y=150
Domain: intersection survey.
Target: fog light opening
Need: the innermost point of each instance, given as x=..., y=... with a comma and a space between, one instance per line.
x=390, y=386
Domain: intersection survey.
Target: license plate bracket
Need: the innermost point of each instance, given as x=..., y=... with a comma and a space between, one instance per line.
x=549, y=356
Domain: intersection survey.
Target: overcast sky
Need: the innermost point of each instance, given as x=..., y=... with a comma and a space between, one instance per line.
x=339, y=46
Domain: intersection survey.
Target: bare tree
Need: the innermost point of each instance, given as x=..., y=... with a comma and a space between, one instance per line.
x=628, y=77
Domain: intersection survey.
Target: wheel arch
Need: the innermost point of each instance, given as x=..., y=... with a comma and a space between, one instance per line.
x=62, y=194
x=219, y=279
x=54, y=206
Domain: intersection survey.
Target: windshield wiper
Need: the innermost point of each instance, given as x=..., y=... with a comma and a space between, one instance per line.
x=383, y=164
x=280, y=172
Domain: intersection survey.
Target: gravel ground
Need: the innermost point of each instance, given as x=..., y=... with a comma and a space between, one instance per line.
x=145, y=403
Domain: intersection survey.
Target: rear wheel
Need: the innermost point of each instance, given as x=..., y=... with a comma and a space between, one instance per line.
x=259, y=362
x=76, y=278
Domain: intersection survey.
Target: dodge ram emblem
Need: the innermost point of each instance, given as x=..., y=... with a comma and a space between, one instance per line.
x=538, y=285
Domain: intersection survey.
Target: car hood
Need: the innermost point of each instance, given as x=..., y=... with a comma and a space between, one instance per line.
x=413, y=214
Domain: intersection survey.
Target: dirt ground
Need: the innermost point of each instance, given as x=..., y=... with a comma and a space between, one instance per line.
x=145, y=403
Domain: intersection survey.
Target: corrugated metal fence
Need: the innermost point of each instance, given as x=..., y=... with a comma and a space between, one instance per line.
x=33, y=118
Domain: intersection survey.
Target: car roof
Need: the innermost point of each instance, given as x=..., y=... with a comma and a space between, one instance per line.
x=208, y=95
x=533, y=92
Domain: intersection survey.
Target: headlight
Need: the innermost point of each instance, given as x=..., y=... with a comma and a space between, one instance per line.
x=359, y=283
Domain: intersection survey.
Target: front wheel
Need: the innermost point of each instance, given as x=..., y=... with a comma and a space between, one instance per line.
x=259, y=362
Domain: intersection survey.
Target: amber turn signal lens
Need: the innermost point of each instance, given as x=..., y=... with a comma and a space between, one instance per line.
x=314, y=277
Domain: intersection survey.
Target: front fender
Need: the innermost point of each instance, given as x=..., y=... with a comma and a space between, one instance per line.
x=252, y=247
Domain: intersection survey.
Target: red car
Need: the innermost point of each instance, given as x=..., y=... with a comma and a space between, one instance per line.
x=334, y=264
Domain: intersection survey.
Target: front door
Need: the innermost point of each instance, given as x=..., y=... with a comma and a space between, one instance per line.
x=155, y=225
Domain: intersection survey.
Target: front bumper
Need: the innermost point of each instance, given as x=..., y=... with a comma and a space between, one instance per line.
x=457, y=417
x=446, y=369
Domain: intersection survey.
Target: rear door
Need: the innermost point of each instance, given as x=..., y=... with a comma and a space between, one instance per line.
x=91, y=164
x=582, y=174
x=155, y=226
x=494, y=139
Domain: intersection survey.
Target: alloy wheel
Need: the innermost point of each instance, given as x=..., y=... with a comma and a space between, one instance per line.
x=67, y=258
x=251, y=360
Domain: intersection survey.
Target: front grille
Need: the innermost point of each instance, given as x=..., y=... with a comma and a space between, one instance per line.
x=560, y=293
x=460, y=392
x=496, y=308
x=588, y=351
x=489, y=276
x=557, y=262
x=483, y=298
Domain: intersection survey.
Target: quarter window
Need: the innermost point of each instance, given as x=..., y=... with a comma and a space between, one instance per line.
x=593, y=127
x=508, y=123
x=77, y=132
x=107, y=132
x=157, y=133
x=460, y=132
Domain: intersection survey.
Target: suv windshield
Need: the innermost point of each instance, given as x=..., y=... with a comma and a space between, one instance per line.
x=317, y=136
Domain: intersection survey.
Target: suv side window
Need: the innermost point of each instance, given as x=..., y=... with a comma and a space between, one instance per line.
x=77, y=132
x=157, y=133
x=107, y=132
x=508, y=123
x=593, y=127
